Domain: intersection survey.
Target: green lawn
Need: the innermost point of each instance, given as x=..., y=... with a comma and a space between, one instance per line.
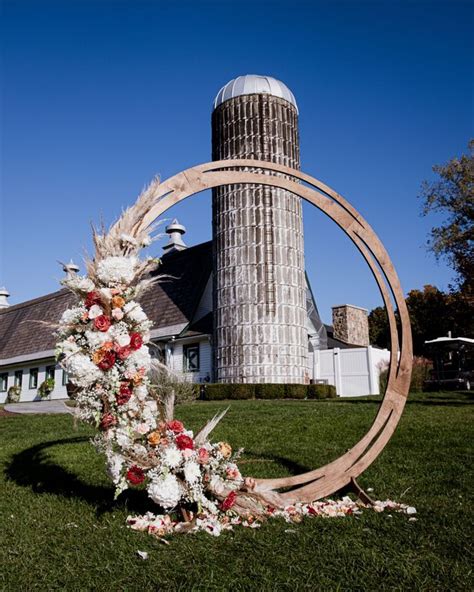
x=61, y=529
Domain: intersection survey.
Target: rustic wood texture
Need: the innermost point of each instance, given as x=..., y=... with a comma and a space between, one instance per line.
x=330, y=478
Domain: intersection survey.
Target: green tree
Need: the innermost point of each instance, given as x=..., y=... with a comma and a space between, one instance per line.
x=453, y=196
x=433, y=314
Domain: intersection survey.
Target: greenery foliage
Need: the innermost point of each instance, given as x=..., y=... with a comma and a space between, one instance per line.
x=433, y=313
x=420, y=372
x=221, y=391
x=72, y=536
x=46, y=388
x=453, y=196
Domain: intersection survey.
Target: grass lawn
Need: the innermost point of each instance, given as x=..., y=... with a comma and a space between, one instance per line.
x=61, y=529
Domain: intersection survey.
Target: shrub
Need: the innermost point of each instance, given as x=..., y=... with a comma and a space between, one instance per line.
x=321, y=391
x=420, y=373
x=242, y=391
x=270, y=391
x=46, y=388
x=296, y=391
x=14, y=393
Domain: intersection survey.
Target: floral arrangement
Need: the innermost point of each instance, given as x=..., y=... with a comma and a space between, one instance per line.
x=103, y=346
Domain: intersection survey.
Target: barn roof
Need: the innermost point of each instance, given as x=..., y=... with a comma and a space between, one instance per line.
x=27, y=328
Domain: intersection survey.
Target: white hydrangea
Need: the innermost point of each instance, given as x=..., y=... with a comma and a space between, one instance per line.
x=117, y=270
x=138, y=359
x=123, y=439
x=97, y=338
x=114, y=466
x=80, y=283
x=95, y=311
x=72, y=315
x=141, y=392
x=68, y=348
x=165, y=492
x=82, y=371
x=135, y=312
x=192, y=472
x=172, y=457
x=119, y=334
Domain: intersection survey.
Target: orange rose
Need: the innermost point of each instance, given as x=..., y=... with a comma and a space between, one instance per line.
x=98, y=356
x=118, y=302
x=225, y=449
x=107, y=346
x=154, y=438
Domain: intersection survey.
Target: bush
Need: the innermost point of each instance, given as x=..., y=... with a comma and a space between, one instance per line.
x=270, y=391
x=296, y=391
x=221, y=391
x=321, y=391
x=14, y=393
x=420, y=373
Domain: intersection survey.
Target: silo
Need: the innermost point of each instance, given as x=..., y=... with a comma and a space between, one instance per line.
x=260, y=333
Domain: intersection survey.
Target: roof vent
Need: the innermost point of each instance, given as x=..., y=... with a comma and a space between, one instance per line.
x=70, y=269
x=4, y=294
x=175, y=230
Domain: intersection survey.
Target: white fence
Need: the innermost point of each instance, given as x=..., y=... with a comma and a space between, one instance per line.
x=354, y=372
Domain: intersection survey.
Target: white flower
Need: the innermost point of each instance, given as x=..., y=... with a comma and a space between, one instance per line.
x=138, y=359
x=95, y=311
x=96, y=338
x=119, y=334
x=115, y=464
x=72, y=315
x=106, y=293
x=172, y=457
x=80, y=283
x=141, y=392
x=192, y=472
x=68, y=348
x=117, y=270
x=82, y=371
x=165, y=492
x=135, y=312
x=122, y=438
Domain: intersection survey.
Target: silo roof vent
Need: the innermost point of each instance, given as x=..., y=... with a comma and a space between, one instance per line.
x=251, y=84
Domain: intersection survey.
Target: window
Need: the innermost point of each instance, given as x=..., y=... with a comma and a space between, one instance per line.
x=3, y=382
x=33, y=378
x=18, y=377
x=65, y=378
x=50, y=370
x=191, y=358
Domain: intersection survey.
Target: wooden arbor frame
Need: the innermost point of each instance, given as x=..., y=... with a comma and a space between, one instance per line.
x=342, y=472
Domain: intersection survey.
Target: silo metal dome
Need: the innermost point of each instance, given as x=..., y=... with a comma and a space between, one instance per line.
x=254, y=84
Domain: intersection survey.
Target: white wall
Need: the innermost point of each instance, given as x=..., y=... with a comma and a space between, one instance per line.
x=28, y=394
x=354, y=372
x=175, y=361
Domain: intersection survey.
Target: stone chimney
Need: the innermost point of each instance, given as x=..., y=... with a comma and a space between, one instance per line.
x=4, y=294
x=175, y=243
x=70, y=269
x=351, y=324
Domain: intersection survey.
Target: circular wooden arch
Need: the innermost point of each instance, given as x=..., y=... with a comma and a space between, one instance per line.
x=332, y=477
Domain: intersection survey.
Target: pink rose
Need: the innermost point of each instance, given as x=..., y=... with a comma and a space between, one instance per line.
x=203, y=456
x=102, y=323
x=175, y=426
x=117, y=314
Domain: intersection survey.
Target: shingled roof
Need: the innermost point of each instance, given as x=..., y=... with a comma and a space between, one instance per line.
x=26, y=328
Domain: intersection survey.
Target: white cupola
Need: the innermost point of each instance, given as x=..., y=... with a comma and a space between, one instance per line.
x=175, y=243
x=4, y=294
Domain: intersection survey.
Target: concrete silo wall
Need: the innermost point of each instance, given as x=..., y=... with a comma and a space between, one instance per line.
x=260, y=330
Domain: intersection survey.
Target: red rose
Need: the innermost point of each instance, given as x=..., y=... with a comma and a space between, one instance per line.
x=229, y=501
x=107, y=361
x=108, y=420
x=102, y=323
x=135, y=475
x=124, y=394
x=92, y=298
x=175, y=426
x=183, y=442
x=123, y=352
x=136, y=341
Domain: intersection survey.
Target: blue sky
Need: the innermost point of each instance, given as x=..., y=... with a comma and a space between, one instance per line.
x=98, y=97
